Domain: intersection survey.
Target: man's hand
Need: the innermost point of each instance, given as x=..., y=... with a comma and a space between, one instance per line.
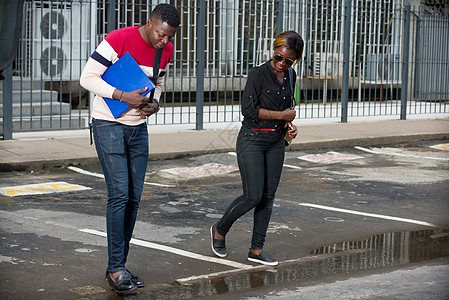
x=149, y=109
x=134, y=99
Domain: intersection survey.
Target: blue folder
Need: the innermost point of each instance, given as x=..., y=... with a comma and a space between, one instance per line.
x=125, y=75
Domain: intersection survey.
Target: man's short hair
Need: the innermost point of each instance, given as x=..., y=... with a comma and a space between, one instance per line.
x=166, y=13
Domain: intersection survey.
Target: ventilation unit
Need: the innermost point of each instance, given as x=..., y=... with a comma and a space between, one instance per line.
x=328, y=65
x=60, y=40
x=326, y=58
x=383, y=68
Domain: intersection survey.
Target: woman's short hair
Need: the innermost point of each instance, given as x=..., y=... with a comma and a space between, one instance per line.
x=290, y=40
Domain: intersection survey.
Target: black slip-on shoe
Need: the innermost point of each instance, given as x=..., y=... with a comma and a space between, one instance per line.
x=136, y=280
x=262, y=258
x=122, y=284
x=218, y=246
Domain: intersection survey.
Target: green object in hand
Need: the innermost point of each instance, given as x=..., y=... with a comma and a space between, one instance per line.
x=296, y=95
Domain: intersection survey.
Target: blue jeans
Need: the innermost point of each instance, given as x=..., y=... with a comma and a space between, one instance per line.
x=123, y=154
x=260, y=155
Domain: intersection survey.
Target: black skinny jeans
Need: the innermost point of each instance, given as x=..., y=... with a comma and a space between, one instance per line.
x=260, y=156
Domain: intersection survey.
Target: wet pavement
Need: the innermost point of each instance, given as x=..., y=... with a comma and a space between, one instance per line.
x=384, y=209
x=376, y=252
x=427, y=280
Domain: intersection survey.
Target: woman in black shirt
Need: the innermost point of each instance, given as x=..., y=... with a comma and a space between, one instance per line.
x=267, y=107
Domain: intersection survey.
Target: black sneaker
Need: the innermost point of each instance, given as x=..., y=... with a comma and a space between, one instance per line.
x=262, y=258
x=122, y=284
x=218, y=246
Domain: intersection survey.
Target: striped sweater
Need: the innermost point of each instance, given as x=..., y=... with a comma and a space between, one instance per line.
x=114, y=46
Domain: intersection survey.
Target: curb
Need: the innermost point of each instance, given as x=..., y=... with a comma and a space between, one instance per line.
x=295, y=146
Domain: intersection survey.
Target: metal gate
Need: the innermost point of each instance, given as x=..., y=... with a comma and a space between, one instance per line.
x=362, y=58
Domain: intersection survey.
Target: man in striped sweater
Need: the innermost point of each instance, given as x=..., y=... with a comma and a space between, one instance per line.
x=122, y=143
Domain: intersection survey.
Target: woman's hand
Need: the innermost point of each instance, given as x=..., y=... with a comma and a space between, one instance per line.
x=288, y=114
x=293, y=132
x=285, y=115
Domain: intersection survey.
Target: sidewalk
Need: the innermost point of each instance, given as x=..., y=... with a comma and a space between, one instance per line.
x=75, y=149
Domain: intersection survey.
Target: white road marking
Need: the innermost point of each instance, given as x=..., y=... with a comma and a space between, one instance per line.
x=329, y=157
x=206, y=170
x=285, y=165
x=16, y=217
x=186, y=280
x=353, y=212
x=444, y=147
x=399, y=154
x=81, y=171
x=176, y=251
x=41, y=188
x=292, y=167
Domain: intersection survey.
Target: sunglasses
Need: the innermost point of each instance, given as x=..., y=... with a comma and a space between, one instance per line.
x=287, y=61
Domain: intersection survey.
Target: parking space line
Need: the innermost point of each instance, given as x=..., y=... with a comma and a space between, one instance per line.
x=176, y=251
x=399, y=154
x=187, y=280
x=353, y=212
x=17, y=218
x=292, y=167
x=81, y=171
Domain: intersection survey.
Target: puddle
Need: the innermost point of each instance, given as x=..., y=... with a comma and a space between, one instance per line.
x=375, y=252
x=396, y=248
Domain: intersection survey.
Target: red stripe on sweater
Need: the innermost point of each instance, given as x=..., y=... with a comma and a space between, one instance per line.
x=128, y=39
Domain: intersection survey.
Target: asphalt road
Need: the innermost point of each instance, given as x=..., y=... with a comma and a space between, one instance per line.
x=347, y=211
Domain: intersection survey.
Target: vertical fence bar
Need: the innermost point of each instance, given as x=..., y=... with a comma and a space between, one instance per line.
x=346, y=49
x=200, y=69
x=7, y=104
x=280, y=18
x=405, y=63
x=111, y=15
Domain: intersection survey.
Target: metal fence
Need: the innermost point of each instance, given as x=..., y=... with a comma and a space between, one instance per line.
x=362, y=58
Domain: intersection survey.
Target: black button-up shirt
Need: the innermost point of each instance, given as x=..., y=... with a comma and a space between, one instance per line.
x=263, y=90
